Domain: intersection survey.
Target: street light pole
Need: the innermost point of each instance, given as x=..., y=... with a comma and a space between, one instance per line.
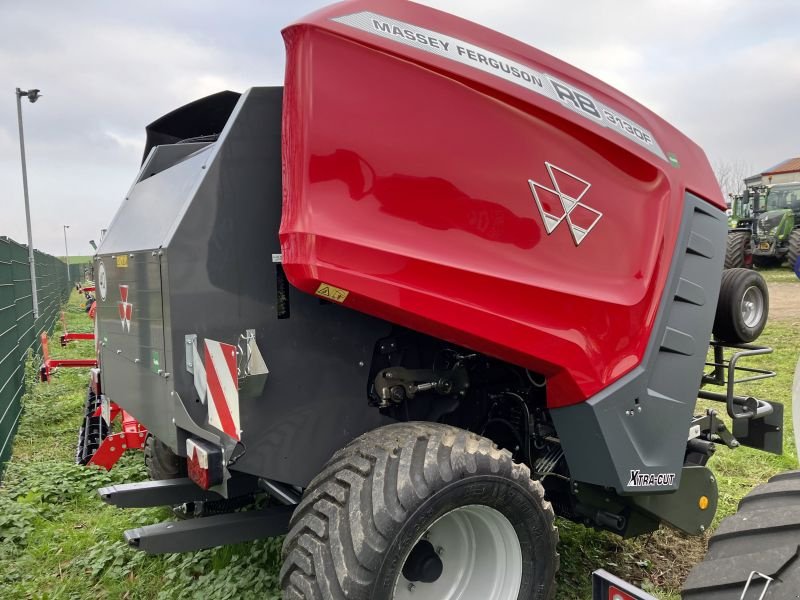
x=66, y=249
x=33, y=96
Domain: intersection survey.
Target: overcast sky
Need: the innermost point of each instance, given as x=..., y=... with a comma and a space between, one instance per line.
x=725, y=72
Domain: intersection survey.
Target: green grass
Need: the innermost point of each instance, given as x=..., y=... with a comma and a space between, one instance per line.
x=779, y=274
x=77, y=260
x=58, y=540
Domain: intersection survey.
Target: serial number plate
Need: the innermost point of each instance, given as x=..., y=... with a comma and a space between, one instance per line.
x=764, y=246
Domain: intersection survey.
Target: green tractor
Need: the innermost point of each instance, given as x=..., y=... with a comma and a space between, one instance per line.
x=743, y=209
x=776, y=226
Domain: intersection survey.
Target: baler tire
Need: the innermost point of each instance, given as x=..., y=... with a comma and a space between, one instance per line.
x=737, y=249
x=762, y=536
x=378, y=497
x=161, y=461
x=730, y=324
x=794, y=249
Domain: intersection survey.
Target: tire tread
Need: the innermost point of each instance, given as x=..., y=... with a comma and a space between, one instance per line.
x=353, y=507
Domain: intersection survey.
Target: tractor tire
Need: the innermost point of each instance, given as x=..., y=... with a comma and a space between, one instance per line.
x=738, y=253
x=762, y=537
x=161, y=462
x=794, y=250
x=421, y=511
x=742, y=308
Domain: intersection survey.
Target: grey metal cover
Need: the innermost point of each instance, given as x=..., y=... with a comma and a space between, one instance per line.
x=635, y=430
x=198, y=230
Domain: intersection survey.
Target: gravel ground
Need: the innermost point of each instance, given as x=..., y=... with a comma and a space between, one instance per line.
x=784, y=301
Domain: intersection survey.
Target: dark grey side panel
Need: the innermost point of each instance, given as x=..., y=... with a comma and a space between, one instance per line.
x=640, y=424
x=219, y=280
x=132, y=352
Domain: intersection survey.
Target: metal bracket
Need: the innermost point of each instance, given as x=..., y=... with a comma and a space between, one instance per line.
x=756, y=574
x=252, y=369
x=194, y=365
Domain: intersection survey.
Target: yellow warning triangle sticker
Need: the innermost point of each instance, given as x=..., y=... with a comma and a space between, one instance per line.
x=332, y=292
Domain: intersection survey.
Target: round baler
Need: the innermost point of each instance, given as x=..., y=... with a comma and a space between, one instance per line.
x=435, y=290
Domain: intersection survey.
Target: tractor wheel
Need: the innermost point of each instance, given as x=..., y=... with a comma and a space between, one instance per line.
x=738, y=253
x=742, y=308
x=161, y=462
x=760, y=539
x=421, y=511
x=794, y=249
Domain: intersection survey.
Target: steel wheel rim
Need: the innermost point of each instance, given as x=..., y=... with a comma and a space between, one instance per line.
x=481, y=558
x=752, y=306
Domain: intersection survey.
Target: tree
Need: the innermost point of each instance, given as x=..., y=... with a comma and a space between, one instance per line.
x=731, y=175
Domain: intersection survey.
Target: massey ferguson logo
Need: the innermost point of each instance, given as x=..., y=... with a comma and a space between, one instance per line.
x=125, y=308
x=639, y=479
x=562, y=202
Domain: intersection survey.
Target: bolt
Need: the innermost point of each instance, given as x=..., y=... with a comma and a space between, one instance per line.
x=411, y=587
x=639, y=408
x=702, y=528
x=439, y=550
x=361, y=363
x=734, y=444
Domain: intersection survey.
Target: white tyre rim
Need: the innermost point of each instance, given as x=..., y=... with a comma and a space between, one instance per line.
x=481, y=558
x=752, y=306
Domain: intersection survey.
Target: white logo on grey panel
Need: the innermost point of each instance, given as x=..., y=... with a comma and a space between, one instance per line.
x=567, y=95
x=562, y=202
x=102, y=283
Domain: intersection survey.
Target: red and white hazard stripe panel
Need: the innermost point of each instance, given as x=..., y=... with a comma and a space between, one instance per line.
x=223, y=391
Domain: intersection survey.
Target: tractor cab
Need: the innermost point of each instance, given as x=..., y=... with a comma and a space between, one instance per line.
x=773, y=235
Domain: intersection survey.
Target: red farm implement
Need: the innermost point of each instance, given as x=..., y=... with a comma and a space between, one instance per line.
x=68, y=336
x=49, y=364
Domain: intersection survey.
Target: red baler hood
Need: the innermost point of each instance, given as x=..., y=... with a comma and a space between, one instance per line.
x=463, y=184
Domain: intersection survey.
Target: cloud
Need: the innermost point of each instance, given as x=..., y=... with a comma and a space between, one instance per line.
x=725, y=73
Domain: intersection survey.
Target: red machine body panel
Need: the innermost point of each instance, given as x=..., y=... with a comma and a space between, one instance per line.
x=457, y=182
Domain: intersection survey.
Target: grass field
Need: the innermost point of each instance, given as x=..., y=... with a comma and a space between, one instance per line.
x=58, y=540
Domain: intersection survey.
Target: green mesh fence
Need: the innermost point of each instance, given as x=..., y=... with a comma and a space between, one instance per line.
x=19, y=331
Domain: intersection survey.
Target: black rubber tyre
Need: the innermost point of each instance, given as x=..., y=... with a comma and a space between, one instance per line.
x=762, y=536
x=731, y=324
x=161, y=462
x=794, y=248
x=737, y=250
x=377, y=497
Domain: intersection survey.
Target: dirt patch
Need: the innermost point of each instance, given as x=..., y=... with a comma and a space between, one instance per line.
x=784, y=301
